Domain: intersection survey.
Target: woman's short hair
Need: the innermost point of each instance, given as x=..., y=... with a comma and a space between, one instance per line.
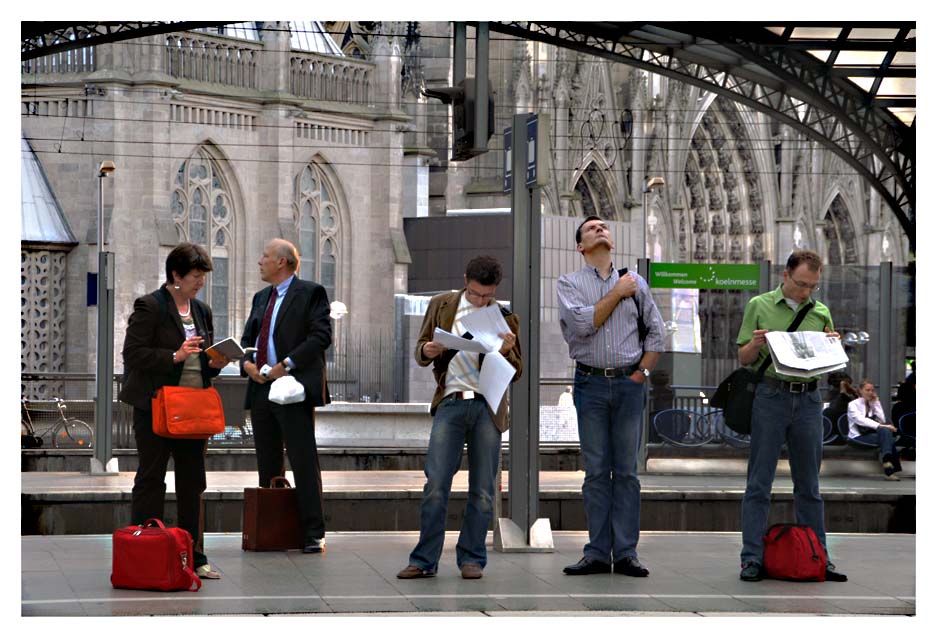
x=186, y=257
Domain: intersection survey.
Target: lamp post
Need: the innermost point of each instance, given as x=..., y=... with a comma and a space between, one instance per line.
x=648, y=186
x=101, y=462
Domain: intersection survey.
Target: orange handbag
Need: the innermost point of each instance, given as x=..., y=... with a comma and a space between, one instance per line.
x=187, y=413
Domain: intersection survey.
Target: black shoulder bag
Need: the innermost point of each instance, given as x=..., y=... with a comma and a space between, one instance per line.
x=736, y=393
x=642, y=327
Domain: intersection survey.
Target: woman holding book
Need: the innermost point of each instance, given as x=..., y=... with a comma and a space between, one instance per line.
x=867, y=425
x=166, y=334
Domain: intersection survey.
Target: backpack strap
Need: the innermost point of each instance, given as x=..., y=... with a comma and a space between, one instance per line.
x=642, y=327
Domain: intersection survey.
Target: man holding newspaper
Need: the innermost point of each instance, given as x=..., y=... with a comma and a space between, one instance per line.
x=787, y=406
x=472, y=343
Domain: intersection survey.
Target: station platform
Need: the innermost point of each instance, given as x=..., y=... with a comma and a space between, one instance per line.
x=692, y=574
x=60, y=503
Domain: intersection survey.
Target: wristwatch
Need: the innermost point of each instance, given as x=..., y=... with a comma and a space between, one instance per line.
x=645, y=372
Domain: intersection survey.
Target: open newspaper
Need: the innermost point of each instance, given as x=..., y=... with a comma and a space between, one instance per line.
x=484, y=326
x=806, y=354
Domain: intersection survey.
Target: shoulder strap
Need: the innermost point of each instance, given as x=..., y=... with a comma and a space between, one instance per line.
x=791, y=328
x=642, y=328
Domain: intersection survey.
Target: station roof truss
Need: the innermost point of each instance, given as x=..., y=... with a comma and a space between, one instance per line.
x=847, y=85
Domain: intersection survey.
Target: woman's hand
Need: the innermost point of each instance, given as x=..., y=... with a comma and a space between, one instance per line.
x=218, y=361
x=509, y=340
x=189, y=346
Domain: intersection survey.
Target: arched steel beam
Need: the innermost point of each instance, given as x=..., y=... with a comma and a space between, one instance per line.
x=45, y=38
x=767, y=77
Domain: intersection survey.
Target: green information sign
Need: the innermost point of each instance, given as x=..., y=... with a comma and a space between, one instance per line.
x=705, y=276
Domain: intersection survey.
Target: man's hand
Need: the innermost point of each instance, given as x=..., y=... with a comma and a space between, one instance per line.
x=625, y=286
x=759, y=337
x=276, y=372
x=509, y=340
x=432, y=349
x=638, y=377
x=830, y=333
x=251, y=369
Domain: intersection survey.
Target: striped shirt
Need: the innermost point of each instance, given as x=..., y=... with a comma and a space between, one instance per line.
x=463, y=371
x=614, y=344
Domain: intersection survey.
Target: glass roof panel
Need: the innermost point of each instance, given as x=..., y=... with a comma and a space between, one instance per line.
x=904, y=58
x=815, y=33
x=897, y=86
x=863, y=82
x=820, y=54
x=776, y=30
x=873, y=34
x=905, y=114
x=310, y=35
x=860, y=58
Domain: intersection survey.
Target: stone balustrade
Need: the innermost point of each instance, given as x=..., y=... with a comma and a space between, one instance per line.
x=214, y=59
x=324, y=77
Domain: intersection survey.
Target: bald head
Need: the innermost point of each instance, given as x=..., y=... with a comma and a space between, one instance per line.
x=279, y=261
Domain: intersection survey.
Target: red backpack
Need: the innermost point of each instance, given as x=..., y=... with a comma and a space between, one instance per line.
x=793, y=552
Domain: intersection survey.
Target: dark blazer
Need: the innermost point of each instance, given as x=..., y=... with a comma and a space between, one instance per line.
x=154, y=332
x=302, y=332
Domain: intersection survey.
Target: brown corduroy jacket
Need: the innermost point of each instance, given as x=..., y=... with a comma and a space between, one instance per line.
x=441, y=314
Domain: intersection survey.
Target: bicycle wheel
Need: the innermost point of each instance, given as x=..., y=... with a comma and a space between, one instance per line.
x=73, y=434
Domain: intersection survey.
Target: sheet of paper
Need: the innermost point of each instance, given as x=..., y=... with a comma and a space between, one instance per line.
x=485, y=325
x=458, y=343
x=494, y=378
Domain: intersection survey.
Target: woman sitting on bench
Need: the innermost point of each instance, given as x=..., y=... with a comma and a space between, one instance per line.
x=867, y=425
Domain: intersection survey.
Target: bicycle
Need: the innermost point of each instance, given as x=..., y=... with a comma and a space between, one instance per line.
x=28, y=438
x=68, y=433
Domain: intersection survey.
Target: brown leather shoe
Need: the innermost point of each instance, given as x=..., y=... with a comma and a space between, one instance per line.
x=471, y=571
x=412, y=571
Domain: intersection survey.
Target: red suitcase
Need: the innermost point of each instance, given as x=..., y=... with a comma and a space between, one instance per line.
x=153, y=556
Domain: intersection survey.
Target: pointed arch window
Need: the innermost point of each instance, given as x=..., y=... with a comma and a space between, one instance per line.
x=202, y=210
x=318, y=225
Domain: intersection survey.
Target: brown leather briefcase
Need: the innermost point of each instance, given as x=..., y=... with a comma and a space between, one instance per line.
x=271, y=517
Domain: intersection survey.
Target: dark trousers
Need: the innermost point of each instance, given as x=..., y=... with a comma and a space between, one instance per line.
x=292, y=425
x=149, y=484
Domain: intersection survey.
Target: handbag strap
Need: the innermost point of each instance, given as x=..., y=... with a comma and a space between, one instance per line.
x=791, y=328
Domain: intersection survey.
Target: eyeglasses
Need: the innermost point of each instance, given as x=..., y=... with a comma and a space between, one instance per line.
x=801, y=284
x=478, y=295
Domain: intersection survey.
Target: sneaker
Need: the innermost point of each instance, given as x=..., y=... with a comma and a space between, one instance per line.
x=314, y=546
x=888, y=465
x=892, y=477
x=752, y=572
x=412, y=571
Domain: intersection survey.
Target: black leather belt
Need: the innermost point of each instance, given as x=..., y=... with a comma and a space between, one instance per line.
x=467, y=395
x=607, y=372
x=794, y=387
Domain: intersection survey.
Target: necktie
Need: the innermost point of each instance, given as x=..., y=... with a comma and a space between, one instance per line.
x=264, y=336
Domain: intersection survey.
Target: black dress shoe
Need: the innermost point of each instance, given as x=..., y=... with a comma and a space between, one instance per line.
x=630, y=566
x=833, y=575
x=588, y=566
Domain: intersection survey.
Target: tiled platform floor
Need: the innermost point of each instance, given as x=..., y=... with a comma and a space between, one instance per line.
x=691, y=573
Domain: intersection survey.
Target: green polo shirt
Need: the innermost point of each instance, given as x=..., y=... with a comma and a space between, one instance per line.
x=769, y=311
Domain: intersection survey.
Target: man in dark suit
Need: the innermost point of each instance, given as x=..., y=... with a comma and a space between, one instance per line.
x=290, y=327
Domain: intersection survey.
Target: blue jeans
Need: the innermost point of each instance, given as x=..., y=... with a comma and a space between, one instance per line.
x=780, y=416
x=609, y=410
x=456, y=423
x=885, y=439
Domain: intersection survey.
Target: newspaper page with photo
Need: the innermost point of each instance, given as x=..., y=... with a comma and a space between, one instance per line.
x=806, y=354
